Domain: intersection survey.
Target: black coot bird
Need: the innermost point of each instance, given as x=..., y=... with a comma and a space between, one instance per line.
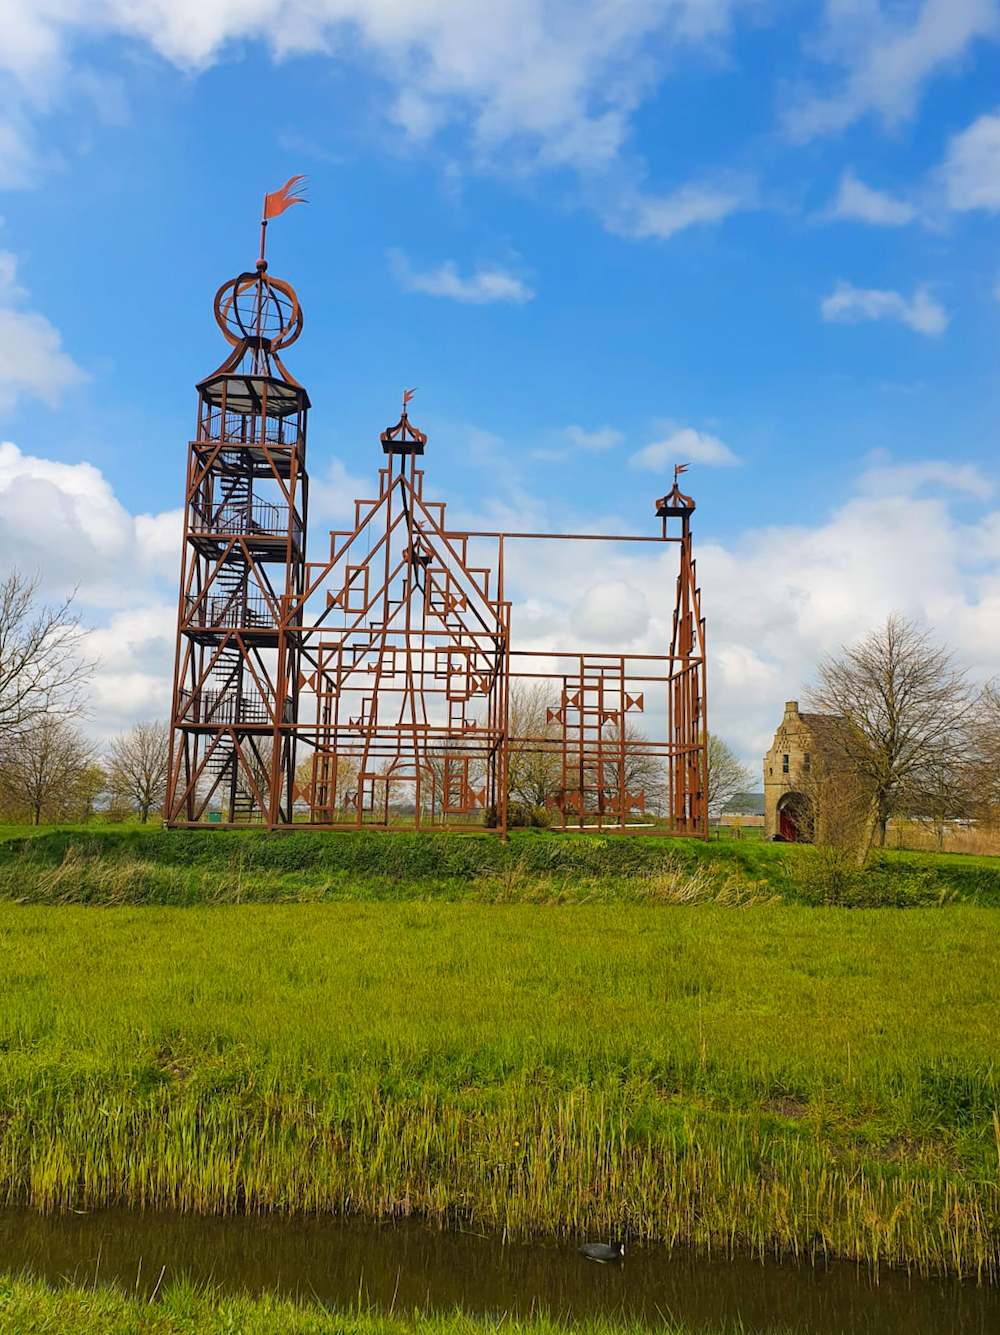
x=603, y=1252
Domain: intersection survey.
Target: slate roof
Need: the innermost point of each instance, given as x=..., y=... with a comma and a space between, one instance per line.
x=744, y=804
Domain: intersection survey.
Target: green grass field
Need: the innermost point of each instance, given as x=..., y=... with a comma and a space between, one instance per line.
x=776, y=1079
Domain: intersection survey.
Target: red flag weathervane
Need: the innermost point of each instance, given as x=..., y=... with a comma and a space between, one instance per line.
x=282, y=199
x=407, y=396
x=279, y=200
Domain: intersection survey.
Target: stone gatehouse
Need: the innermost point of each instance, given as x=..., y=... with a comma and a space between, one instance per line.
x=788, y=807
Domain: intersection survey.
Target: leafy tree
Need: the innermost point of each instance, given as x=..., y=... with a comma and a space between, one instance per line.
x=92, y=782
x=138, y=762
x=42, y=768
x=727, y=775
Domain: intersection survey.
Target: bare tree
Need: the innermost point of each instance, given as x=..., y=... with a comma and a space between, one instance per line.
x=534, y=763
x=901, y=703
x=335, y=797
x=982, y=754
x=945, y=792
x=838, y=801
x=727, y=776
x=635, y=764
x=447, y=766
x=42, y=674
x=138, y=761
x=42, y=768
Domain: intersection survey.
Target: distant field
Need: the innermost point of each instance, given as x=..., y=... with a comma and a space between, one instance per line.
x=782, y=1078
x=9, y=832
x=131, y=865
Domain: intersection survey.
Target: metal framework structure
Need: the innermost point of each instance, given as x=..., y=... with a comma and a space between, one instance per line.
x=388, y=669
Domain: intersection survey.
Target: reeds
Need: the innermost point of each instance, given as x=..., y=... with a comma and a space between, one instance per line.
x=788, y=1080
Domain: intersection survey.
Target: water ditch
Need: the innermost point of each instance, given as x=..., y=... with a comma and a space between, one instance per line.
x=410, y=1265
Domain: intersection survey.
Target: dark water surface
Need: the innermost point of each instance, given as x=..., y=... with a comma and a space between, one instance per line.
x=410, y=1265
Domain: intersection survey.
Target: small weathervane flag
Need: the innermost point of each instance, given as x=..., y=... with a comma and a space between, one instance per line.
x=276, y=203
x=407, y=396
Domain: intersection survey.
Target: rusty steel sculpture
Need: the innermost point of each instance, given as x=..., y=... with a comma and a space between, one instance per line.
x=381, y=687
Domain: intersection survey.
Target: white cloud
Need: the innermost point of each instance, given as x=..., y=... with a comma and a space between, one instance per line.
x=18, y=154
x=32, y=361
x=135, y=649
x=779, y=596
x=641, y=216
x=971, y=167
x=418, y=116
x=556, y=79
x=613, y=612
x=333, y=491
x=605, y=438
x=684, y=446
x=888, y=54
x=784, y=595
x=482, y=288
x=64, y=521
x=884, y=478
x=860, y=202
x=776, y=597
x=850, y=305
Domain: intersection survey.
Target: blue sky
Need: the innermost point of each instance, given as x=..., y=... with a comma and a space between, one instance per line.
x=600, y=237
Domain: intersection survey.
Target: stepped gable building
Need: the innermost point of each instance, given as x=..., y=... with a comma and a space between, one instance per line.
x=788, y=806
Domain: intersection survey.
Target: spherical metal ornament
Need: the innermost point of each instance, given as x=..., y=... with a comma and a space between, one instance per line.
x=257, y=306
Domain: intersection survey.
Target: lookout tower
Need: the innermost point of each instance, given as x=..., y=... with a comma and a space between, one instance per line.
x=243, y=570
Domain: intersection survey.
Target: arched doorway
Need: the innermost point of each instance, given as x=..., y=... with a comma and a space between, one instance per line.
x=795, y=818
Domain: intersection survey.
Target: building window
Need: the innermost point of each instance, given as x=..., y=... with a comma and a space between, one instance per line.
x=807, y=762
x=784, y=764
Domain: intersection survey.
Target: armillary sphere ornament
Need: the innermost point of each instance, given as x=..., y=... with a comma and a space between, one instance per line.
x=258, y=308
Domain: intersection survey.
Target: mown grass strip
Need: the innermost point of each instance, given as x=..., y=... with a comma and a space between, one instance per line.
x=28, y=1307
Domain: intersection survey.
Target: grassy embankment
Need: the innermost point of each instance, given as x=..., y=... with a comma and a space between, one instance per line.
x=783, y=1079
x=126, y=865
x=29, y=1308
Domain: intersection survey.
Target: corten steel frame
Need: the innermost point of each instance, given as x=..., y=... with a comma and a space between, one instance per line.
x=242, y=571
x=392, y=660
